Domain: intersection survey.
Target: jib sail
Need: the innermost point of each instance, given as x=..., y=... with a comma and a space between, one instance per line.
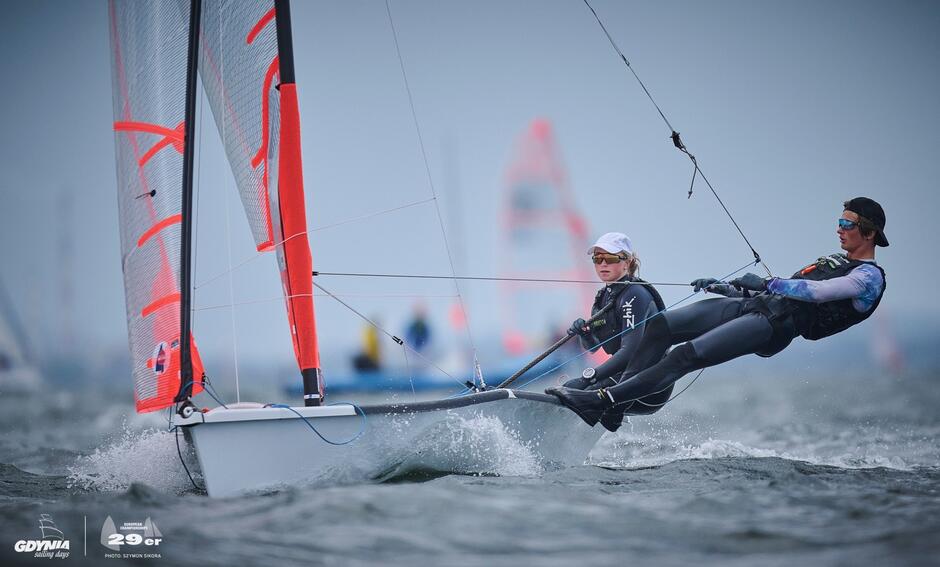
x=246, y=65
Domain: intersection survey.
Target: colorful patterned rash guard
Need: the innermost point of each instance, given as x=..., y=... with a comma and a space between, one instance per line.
x=862, y=285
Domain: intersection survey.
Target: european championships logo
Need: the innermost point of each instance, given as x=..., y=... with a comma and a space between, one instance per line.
x=52, y=544
x=131, y=540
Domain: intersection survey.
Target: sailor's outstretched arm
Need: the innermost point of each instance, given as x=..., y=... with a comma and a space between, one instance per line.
x=862, y=282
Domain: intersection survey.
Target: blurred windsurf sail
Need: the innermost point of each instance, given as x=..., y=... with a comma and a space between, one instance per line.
x=540, y=221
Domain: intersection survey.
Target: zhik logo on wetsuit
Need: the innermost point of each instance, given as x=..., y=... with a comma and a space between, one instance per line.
x=628, y=313
x=52, y=545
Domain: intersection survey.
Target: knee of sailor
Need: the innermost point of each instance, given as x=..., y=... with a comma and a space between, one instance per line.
x=684, y=355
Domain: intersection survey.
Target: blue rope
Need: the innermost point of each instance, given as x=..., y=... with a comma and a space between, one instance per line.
x=362, y=426
x=641, y=323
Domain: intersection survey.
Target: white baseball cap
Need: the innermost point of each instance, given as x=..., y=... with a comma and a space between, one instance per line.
x=614, y=243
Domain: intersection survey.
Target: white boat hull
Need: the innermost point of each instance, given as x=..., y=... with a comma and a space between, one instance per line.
x=495, y=432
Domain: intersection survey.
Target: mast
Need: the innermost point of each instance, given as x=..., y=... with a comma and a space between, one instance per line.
x=293, y=217
x=189, y=147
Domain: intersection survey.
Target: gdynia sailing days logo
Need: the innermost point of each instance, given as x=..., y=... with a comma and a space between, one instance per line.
x=136, y=539
x=52, y=544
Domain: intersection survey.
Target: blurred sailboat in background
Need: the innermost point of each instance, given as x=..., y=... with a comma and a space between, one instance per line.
x=19, y=372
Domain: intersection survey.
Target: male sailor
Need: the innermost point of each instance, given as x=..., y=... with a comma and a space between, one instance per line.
x=620, y=329
x=756, y=316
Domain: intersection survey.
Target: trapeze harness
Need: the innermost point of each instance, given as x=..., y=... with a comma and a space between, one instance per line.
x=611, y=325
x=813, y=321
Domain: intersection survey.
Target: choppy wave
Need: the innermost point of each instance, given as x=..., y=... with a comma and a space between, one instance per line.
x=636, y=452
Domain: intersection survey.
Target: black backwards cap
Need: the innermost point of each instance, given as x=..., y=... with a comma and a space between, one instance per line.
x=872, y=216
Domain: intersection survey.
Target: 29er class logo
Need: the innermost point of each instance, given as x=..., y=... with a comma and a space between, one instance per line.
x=131, y=539
x=52, y=545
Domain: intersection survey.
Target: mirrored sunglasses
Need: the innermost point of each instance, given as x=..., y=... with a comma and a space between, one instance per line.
x=607, y=259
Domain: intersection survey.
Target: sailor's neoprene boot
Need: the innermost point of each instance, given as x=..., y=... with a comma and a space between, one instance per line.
x=589, y=405
x=612, y=419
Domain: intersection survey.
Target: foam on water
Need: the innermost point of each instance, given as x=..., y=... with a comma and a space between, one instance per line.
x=472, y=445
x=149, y=457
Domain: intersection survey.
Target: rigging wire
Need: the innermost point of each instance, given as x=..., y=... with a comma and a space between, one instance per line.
x=427, y=168
x=488, y=278
x=401, y=342
x=358, y=295
x=228, y=242
x=257, y=255
x=677, y=141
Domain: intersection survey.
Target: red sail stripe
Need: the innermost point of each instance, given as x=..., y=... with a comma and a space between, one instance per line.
x=262, y=153
x=174, y=137
x=131, y=126
x=158, y=227
x=260, y=26
x=162, y=302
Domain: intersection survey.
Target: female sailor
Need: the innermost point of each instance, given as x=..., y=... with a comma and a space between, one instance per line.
x=620, y=329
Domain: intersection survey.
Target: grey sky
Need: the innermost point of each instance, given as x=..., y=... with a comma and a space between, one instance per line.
x=791, y=107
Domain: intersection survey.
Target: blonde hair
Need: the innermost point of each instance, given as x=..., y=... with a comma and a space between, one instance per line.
x=634, y=261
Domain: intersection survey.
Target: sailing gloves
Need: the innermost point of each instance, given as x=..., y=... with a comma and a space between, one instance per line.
x=711, y=285
x=750, y=282
x=703, y=283
x=580, y=328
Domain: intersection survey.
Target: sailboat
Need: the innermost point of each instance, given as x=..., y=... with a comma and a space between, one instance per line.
x=19, y=373
x=242, y=53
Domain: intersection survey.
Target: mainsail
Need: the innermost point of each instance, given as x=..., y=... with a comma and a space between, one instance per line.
x=247, y=69
x=149, y=64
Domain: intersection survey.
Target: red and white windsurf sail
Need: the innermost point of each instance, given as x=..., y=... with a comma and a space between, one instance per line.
x=149, y=65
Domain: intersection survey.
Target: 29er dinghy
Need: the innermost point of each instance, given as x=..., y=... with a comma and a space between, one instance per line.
x=242, y=51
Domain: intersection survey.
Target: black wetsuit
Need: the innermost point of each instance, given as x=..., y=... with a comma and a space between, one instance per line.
x=635, y=306
x=717, y=330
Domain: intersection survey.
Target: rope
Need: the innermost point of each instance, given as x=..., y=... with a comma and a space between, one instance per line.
x=179, y=452
x=677, y=141
x=362, y=423
x=427, y=168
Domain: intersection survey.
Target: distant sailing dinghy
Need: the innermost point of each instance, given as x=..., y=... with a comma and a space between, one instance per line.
x=243, y=52
x=18, y=373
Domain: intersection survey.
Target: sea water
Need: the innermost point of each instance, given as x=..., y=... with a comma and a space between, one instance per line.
x=739, y=470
